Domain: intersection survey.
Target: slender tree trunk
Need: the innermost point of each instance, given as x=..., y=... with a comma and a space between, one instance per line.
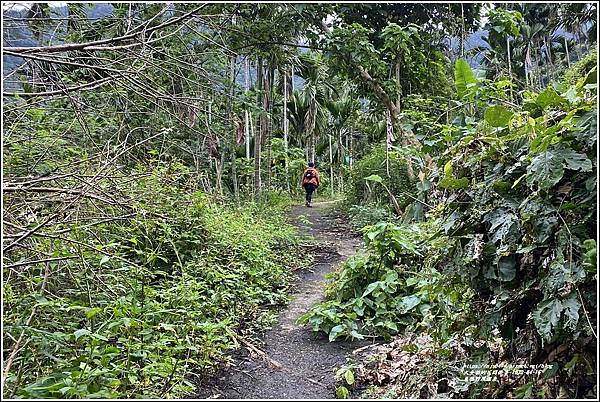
x=218, y=170
x=233, y=120
x=220, y=165
x=526, y=65
x=246, y=117
x=351, y=151
x=567, y=52
x=257, y=137
x=292, y=78
x=313, y=145
x=331, y=165
x=509, y=64
x=253, y=133
x=389, y=128
x=285, y=130
x=398, y=82
x=271, y=117
x=462, y=31
x=550, y=66
x=340, y=162
x=578, y=44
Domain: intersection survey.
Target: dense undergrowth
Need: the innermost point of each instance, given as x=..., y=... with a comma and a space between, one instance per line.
x=133, y=307
x=502, y=267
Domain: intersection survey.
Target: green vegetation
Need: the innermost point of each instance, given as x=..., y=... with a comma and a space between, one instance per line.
x=150, y=156
x=510, y=234
x=394, y=169
x=131, y=310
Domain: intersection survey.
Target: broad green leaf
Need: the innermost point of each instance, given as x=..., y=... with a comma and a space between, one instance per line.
x=93, y=312
x=391, y=325
x=549, y=97
x=524, y=391
x=546, y=317
x=104, y=259
x=81, y=332
x=407, y=303
x=98, y=336
x=571, y=95
x=448, y=168
x=504, y=225
x=375, y=178
x=463, y=77
x=370, y=288
x=592, y=76
x=551, y=372
x=589, y=255
x=507, y=268
x=342, y=392
x=570, y=366
x=546, y=169
x=356, y=335
x=575, y=161
x=455, y=184
x=587, y=127
x=571, y=309
x=498, y=116
x=349, y=377
x=336, y=332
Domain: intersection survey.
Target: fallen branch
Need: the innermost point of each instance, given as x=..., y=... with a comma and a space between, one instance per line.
x=61, y=190
x=95, y=45
x=88, y=86
x=20, y=264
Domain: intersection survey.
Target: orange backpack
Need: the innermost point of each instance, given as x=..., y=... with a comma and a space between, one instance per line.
x=310, y=174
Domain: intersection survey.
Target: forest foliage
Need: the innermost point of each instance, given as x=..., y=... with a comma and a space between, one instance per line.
x=511, y=230
x=149, y=157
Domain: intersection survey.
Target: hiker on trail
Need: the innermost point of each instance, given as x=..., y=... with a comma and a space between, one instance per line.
x=310, y=181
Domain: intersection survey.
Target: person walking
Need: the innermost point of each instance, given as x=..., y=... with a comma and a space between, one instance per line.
x=310, y=181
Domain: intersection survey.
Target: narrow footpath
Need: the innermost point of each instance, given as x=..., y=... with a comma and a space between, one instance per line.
x=296, y=362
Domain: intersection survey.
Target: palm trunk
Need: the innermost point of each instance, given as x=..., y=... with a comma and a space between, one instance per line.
x=351, y=150
x=567, y=52
x=526, y=64
x=246, y=117
x=285, y=131
x=340, y=162
x=233, y=142
x=253, y=134
x=331, y=165
x=462, y=31
x=257, y=137
x=269, y=139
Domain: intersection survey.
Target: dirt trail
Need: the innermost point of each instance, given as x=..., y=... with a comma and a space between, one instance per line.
x=307, y=360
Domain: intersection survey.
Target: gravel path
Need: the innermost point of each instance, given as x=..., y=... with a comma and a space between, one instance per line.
x=300, y=364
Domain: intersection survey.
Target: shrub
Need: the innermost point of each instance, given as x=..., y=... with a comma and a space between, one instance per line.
x=374, y=163
x=142, y=301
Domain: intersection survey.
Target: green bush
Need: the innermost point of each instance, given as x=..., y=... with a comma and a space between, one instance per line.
x=374, y=163
x=582, y=67
x=393, y=287
x=149, y=298
x=364, y=215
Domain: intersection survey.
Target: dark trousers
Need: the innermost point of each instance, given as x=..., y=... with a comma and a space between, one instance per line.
x=310, y=189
